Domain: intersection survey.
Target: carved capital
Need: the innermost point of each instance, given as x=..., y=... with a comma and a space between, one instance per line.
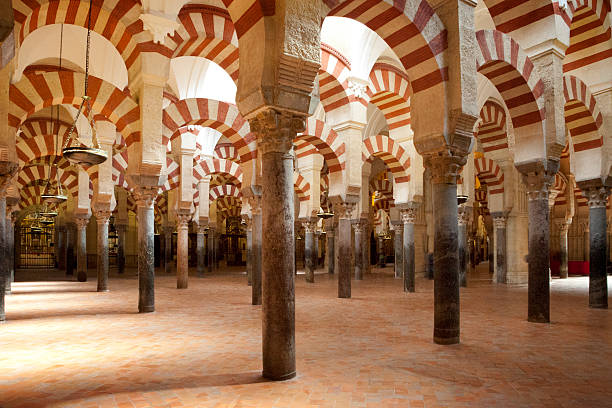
x=158, y=26
x=537, y=184
x=359, y=226
x=276, y=130
x=81, y=222
x=563, y=224
x=255, y=204
x=408, y=215
x=444, y=166
x=597, y=197
x=8, y=170
x=344, y=209
x=145, y=195
x=309, y=226
x=182, y=220
x=500, y=220
x=102, y=217
x=464, y=215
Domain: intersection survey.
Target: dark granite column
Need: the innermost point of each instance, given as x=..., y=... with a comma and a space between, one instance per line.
x=365, y=245
x=168, y=261
x=444, y=171
x=563, y=248
x=10, y=225
x=330, y=240
x=4, y=267
x=309, y=250
x=275, y=133
x=121, y=231
x=256, y=278
x=537, y=182
x=61, y=247
x=182, y=246
x=249, y=238
x=399, y=248
x=463, y=217
x=210, y=243
x=102, y=218
x=70, y=244
x=598, y=279
x=81, y=223
x=499, y=222
x=145, y=197
x=200, y=250
x=408, y=216
x=358, y=226
x=344, y=210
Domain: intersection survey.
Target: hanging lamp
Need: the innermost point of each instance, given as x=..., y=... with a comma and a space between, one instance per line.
x=81, y=154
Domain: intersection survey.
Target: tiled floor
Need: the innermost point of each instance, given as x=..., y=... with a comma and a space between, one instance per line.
x=67, y=346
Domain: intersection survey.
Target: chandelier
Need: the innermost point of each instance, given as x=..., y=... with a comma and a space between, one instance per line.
x=81, y=154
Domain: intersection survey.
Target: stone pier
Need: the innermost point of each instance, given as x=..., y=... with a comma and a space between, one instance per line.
x=182, y=247
x=463, y=218
x=200, y=250
x=145, y=197
x=500, y=220
x=358, y=227
x=344, y=210
x=398, y=246
x=598, y=279
x=408, y=216
x=102, y=219
x=81, y=223
x=309, y=250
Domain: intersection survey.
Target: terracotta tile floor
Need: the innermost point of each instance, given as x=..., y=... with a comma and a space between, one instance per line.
x=67, y=346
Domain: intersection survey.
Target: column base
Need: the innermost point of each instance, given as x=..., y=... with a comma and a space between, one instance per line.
x=82, y=277
x=283, y=377
x=103, y=290
x=443, y=341
x=146, y=309
x=180, y=286
x=598, y=306
x=539, y=319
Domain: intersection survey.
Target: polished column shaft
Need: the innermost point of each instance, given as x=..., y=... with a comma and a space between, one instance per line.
x=344, y=211
x=309, y=250
x=598, y=278
x=399, y=249
x=200, y=251
x=499, y=222
x=358, y=226
x=81, y=223
x=408, y=216
x=102, y=218
x=145, y=197
x=182, y=254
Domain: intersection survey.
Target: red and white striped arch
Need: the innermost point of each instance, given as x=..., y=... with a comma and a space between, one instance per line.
x=589, y=34
x=44, y=126
x=37, y=91
x=40, y=173
x=325, y=140
x=509, y=68
x=491, y=132
x=221, y=116
x=560, y=185
x=390, y=91
x=413, y=31
x=210, y=166
x=207, y=32
x=301, y=186
x=384, y=204
x=226, y=151
x=34, y=148
x=581, y=200
x=333, y=79
x=120, y=165
x=384, y=187
x=116, y=20
x=490, y=174
x=173, y=171
x=225, y=190
x=391, y=153
x=511, y=15
x=582, y=115
x=229, y=206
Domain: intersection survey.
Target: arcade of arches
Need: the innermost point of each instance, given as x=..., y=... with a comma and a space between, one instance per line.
x=304, y=192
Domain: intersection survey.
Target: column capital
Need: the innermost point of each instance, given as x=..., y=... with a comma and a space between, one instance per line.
x=597, y=197
x=182, y=219
x=309, y=226
x=344, y=209
x=8, y=169
x=276, y=129
x=538, y=176
x=358, y=226
x=499, y=219
x=201, y=228
x=408, y=215
x=81, y=222
x=102, y=216
x=255, y=204
x=445, y=166
x=145, y=195
x=464, y=215
x=563, y=224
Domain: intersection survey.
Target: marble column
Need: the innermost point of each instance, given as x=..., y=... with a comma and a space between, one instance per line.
x=102, y=218
x=344, y=210
x=408, y=216
x=499, y=222
x=256, y=277
x=10, y=225
x=463, y=217
x=182, y=246
x=309, y=250
x=70, y=240
x=4, y=267
x=365, y=246
x=210, y=246
x=587, y=240
x=598, y=279
x=444, y=171
x=61, y=247
x=563, y=248
x=399, y=248
x=168, y=261
x=81, y=223
x=276, y=132
x=330, y=240
x=249, y=239
x=538, y=309
x=200, y=250
x=358, y=227
x=121, y=231
x=145, y=197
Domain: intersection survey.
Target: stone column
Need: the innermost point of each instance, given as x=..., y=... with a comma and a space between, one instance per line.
x=70, y=258
x=598, y=279
x=587, y=240
x=309, y=249
x=210, y=241
x=145, y=197
x=81, y=223
x=61, y=247
x=537, y=183
x=256, y=278
x=399, y=249
x=182, y=246
x=444, y=170
x=249, y=238
x=563, y=248
x=276, y=132
x=330, y=240
x=463, y=217
x=10, y=226
x=4, y=267
x=408, y=216
x=102, y=218
x=200, y=250
x=168, y=249
x=344, y=210
x=121, y=231
x=358, y=226
x=499, y=222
